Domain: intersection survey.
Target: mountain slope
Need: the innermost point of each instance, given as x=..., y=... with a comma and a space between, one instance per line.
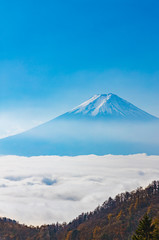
x=105, y=124
x=108, y=106
x=116, y=219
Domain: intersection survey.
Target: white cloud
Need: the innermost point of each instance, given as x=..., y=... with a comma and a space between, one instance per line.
x=47, y=189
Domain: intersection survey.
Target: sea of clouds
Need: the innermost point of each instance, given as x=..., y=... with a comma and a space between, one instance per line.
x=46, y=189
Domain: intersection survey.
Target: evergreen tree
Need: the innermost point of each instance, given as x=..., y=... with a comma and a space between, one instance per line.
x=145, y=229
x=156, y=230
x=156, y=234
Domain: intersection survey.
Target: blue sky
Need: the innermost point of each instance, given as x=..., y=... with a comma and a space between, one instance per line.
x=56, y=54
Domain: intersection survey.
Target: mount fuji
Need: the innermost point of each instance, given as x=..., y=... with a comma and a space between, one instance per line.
x=104, y=124
x=108, y=106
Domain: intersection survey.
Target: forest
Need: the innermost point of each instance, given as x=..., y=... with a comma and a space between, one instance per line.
x=121, y=218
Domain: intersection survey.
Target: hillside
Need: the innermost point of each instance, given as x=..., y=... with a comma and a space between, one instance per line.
x=116, y=219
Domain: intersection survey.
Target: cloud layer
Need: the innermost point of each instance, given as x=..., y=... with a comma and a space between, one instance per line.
x=47, y=189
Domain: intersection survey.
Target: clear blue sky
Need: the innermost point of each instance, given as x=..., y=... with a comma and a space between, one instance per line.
x=55, y=54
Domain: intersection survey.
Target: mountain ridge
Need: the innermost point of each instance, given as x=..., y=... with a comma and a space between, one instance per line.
x=115, y=219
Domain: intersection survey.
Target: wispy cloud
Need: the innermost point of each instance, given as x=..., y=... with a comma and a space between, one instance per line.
x=47, y=189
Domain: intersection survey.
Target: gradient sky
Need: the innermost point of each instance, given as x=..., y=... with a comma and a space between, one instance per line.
x=56, y=54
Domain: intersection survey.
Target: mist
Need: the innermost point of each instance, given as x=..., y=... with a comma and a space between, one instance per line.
x=70, y=137
x=46, y=189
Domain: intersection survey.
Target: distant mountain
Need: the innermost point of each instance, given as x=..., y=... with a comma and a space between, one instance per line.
x=108, y=106
x=116, y=219
x=100, y=126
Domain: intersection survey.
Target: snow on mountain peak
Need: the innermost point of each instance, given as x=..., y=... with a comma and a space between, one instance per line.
x=109, y=105
x=95, y=105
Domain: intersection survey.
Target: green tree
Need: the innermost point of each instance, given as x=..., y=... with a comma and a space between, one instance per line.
x=156, y=230
x=156, y=234
x=145, y=229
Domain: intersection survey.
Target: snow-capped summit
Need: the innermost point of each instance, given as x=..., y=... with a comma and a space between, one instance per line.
x=108, y=106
